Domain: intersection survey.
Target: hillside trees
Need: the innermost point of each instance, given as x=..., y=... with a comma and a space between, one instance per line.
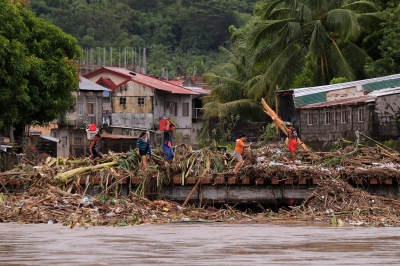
x=37, y=70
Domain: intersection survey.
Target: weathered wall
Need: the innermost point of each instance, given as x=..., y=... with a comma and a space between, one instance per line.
x=387, y=109
x=82, y=99
x=319, y=131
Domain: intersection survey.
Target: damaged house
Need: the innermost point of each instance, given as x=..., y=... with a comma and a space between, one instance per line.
x=138, y=101
x=327, y=113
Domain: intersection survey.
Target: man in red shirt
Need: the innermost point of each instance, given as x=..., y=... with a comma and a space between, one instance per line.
x=292, y=144
x=238, y=153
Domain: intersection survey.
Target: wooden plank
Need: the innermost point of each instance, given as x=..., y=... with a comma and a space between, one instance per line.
x=274, y=181
x=205, y=180
x=373, y=181
x=233, y=180
x=177, y=180
x=260, y=181
x=302, y=181
x=245, y=181
x=191, y=180
x=219, y=180
x=135, y=180
x=288, y=181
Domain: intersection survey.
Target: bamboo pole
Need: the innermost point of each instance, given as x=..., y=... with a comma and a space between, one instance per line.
x=279, y=122
x=194, y=188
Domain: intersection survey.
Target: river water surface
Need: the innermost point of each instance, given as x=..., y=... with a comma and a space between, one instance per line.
x=198, y=244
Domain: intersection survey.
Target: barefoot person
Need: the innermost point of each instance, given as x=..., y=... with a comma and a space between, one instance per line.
x=239, y=151
x=142, y=150
x=94, y=149
x=292, y=144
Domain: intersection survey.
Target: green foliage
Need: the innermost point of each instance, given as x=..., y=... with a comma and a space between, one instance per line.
x=385, y=42
x=268, y=134
x=37, y=68
x=338, y=80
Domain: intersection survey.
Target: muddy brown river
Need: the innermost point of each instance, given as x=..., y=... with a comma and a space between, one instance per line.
x=199, y=244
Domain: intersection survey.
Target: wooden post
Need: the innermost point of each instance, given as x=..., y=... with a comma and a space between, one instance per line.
x=194, y=188
x=276, y=107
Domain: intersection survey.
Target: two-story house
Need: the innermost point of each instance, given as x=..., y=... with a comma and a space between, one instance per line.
x=86, y=109
x=138, y=101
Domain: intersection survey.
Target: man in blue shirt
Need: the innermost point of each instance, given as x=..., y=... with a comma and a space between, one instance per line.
x=167, y=143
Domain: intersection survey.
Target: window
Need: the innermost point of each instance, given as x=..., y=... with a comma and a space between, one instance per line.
x=78, y=142
x=173, y=108
x=122, y=100
x=90, y=109
x=344, y=116
x=64, y=141
x=310, y=118
x=360, y=115
x=185, y=109
x=327, y=118
x=79, y=109
x=106, y=94
x=140, y=101
x=72, y=107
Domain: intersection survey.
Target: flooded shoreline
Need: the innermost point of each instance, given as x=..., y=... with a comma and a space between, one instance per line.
x=198, y=244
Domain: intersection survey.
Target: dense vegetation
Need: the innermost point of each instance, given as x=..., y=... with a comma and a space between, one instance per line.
x=37, y=67
x=181, y=35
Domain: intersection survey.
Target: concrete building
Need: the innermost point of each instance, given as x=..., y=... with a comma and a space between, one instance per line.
x=327, y=113
x=138, y=101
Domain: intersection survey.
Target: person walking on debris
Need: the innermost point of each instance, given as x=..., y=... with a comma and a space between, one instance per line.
x=94, y=149
x=292, y=144
x=167, y=143
x=239, y=152
x=142, y=150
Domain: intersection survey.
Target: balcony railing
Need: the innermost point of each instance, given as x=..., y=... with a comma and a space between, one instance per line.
x=196, y=113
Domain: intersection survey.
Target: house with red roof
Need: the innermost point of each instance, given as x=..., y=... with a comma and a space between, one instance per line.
x=138, y=101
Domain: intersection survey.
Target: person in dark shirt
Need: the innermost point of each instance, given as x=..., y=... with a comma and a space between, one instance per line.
x=142, y=150
x=94, y=149
x=167, y=143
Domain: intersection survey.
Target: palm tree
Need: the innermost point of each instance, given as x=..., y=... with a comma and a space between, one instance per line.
x=230, y=83
x=293, y=32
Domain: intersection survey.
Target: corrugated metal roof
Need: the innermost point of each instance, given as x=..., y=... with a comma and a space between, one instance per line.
x=312, y=95
x=341, y=102
x=176, y=82
x=150, y=82
x=311, y=90
x=87, y=85
x=49, y=138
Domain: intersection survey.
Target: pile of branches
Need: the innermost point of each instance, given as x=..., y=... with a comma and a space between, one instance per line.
x=337, y=202
x=53, y=205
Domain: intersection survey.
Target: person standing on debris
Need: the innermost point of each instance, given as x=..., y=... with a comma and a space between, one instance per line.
x=239, y=152
x=167, y=143
x=292, y=144
x=142, y=150
x=94, y=150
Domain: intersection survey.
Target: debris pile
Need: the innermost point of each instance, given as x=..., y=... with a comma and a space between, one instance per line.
x=337, y=202
x=57, y=189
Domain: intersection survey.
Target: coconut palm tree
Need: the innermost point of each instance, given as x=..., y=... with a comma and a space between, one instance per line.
x=293, y=32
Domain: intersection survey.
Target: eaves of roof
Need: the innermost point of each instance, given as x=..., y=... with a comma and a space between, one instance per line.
x=341, y=102
x=144, y=80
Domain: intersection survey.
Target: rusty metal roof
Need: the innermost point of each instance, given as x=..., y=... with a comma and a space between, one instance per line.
x=115, y=136
x=143, y=79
